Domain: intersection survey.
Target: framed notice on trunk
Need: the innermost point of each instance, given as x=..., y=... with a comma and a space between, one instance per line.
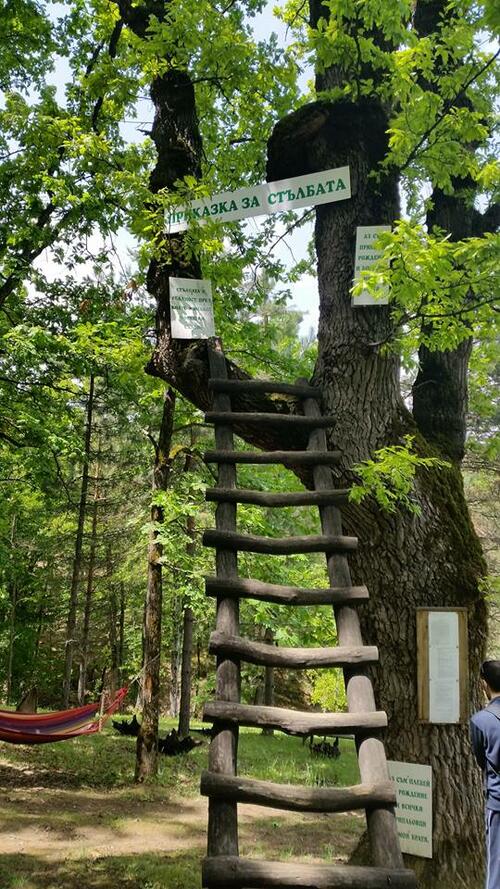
x=442, y=665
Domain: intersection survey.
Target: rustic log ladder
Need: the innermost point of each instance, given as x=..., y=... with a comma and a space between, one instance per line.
x=223, y=868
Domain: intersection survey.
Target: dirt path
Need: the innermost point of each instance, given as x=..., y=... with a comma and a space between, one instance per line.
x=52, y=836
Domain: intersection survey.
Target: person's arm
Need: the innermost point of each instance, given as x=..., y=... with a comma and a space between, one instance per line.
x=478, y=744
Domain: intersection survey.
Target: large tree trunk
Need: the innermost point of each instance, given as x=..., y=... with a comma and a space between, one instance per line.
x=147, y=739
x=77, y=559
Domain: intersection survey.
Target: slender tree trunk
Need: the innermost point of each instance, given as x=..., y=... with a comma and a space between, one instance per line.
x=87, y=609
x=121, y=632
x=175, y=657
x=113, y=641
x=77, y=559
x=12, y=638
x=268, y=680
x=39, y=628
x=139, y=699
x=187, y=623
x=147, y=740
x=187, y=652
x=12, y=615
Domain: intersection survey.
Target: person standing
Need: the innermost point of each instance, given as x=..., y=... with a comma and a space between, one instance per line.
x=485, y=739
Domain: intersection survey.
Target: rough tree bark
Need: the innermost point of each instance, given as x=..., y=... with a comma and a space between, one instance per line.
x=77, y=559
x=407, y=561
x=147, y=740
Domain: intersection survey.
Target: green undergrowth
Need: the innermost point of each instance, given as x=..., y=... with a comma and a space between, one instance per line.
x=107, y=760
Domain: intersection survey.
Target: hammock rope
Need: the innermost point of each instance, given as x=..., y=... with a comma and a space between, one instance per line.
x=45, y=728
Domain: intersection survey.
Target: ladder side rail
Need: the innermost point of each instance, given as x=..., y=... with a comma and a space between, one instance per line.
x=223, y=815
x=381, y=823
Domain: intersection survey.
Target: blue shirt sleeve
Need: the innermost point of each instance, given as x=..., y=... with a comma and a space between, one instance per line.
x=478, y=744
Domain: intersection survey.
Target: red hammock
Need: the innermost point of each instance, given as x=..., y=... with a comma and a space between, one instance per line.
x=44, y=728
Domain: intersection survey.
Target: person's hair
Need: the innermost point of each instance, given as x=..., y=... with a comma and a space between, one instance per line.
x=490, y=672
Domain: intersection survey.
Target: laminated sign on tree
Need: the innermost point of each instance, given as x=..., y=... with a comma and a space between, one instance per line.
x=268, y=197
x=191, y=307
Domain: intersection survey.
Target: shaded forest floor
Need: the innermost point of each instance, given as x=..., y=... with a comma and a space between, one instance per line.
x=70, y=816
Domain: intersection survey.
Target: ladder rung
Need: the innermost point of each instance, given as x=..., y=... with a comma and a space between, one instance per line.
x=270, y=498
x=287, y=458
x=295, y=658
x=249, y=588
x=279, y=546
x=294, y=722
x=242, y=386
x=296, y=797
x=294, y=421
x=226, y=872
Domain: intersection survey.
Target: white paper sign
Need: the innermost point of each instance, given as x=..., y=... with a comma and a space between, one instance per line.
x=444, y=667
x=413, y=785
x=365, y=256
x=268, y=197
x=191, y=309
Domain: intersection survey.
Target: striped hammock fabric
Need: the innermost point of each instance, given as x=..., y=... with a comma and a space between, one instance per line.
x=45, y=728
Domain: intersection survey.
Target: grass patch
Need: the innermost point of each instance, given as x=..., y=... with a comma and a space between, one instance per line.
x=289, y=761
x=107, y=760
x=176, y=871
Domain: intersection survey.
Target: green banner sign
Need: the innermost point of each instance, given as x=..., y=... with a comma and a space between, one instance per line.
x=268, y=197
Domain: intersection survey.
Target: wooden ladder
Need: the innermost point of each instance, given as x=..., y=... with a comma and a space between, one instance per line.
x=223, y=868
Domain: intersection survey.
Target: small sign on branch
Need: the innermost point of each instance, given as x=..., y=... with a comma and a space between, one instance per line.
x=413, y=784
x=365, y=255
x=191, y=309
